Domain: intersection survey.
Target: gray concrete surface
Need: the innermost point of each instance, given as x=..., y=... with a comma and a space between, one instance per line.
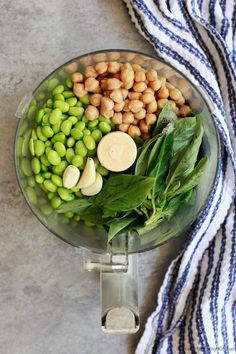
x=48, y=304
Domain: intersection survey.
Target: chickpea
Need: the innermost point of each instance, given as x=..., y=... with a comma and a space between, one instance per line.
x=128, y=85
x=134, y=95
x=103, y=84
x=152, y=106
x=161, y=102
x=141, y=114
x=113, y=55
x=163, y=80
x=91, y=112
x=139, y=86
x=127, y=75
x=150, y=118
x=170, y=86
x=116, y=96
x=149, y=89
x=123, y=127
x=113, y=67
x=95, y=99
x=128, y=117
x=101, y=68
x=77, y=77
x=185, y=111
x=135, y=106
x=163, y=92
x=155, y=85
x=185, y=88
x=139, y=76
x=106, y=93
x=98, y=90
x=180, y=101
x=119, y=106
x=175, y=94
x=146, y=136
x=117, y=118
x=90, y=72
x=143, y=127
x=173, y=104
x=134, y=131
x=135, y=121
x=113, y=84
x=99, y=57
x=151, y=75
x=136, y=67
x=147, y=97
x=116, y=76
x=85, y=61
x=71, y=68
x=107, y=103
x=106, y=112
x=126, y=106
x=79, y=90
x=124, y=93
x=91, y=84
x=126, y=66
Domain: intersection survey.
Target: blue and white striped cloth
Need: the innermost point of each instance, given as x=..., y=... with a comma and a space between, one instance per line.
x=196, y=311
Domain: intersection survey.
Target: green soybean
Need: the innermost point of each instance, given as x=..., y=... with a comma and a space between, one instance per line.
x=97, y=135
x=77, y=160
x=84, y=99
x=47, y=149
x=72, y=119
x=89, y=142
x=76, y=134
x=102, y=170
x=47, y=131
x=60, y=137
x=47, y=110
x=31, y=181
x=77, y=217
x=92, y=153
x=56, y=127
x=80, y=125
x=49, y=103
x=40, y=134
x=59, y=169
x=66, y=126
x=64, y=194
x=31, y=146
x=55, y=116
x=93, y=123
x=104, y=127
x=52, y=83
x=19, y=144
x=71, y=101
x=39, y=147
x=26, y=168
x=47, y=175
x=70, y=142
x=31, y=112
x=58, y=89
x=48, y=143
x=53, y=157
x=69, y=214
x=96, y=162
x=39, y=179
x=44, y=160
x=56, y=202
x=45, y=120
x=23, y=128
x=80, y=149
x=69, y=154
x=50, y=186
x=86, y=132
x=59, y=97
x=40, y=115
x=84, y=119
x=104, y=119
x=69, y=82
x=63, y=106
x=34, y=135
x=68, y=94
x=25, y=145
x=51, y=195
x=46, y=209
x=79, y=104
x=57, y=180
x=76, y=111
x=40, y=96
x=44, y=168
x=35, y=165
x=60, y=148
x=31, y=195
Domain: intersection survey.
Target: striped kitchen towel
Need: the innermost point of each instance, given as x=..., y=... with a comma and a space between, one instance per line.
x=196, y=311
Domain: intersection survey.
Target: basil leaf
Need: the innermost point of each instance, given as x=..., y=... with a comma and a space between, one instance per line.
x=142, y=161
x=154, y=154
x=166, y=116
x=77, y=206
x=117, y=225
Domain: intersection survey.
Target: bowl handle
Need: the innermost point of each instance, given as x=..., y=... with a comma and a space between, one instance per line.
x=119, y=290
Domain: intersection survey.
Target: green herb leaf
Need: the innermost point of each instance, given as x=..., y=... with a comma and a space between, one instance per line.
x=166, y=116
x=118, y=225
x=77, y=206
x=142, y=161
x=153, y=155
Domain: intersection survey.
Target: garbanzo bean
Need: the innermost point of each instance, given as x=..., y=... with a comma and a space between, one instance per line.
x=128, y=85
x=127, y=75
x=139, y=86
x=134, y=131
x=113, y=55
x=79, y=90
x=155, y=85
x=71, y=68
x=180, y=101
x=91, y=112
x=119, y=106
x=135, y=121
x=185, y=111
x=113, y=67
x=136, y=67
x=101, y=68
x=124, y=93
x=123, y=127
x=147, y=97
x=126, y=106
x=90, y=72
x=117, y=118
x=175, y=94
x=135, y=106
x=116, y=76
x=150, y=118
x=152, y=106
x=128, y=118
x=149, y=89
x=99, y=57
x=91, y=84
x=141, y=114
x=134, y=95
x=77, y=77
x=163, y=92
x=95, y=99
x=139, y=75
x=103, y=84
x=107, y=103
x=116, y=96
x=113, y=84
x=144, y=127
x=161, y=102
x=106, y=113
x=151, y=75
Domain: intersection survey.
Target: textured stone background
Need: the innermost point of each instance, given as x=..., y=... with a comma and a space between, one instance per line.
x=48, y=304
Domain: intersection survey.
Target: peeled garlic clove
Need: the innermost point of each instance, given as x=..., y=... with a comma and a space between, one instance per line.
x=70, y=176
x=117, y=151
x=95, y=188
x=89, y=174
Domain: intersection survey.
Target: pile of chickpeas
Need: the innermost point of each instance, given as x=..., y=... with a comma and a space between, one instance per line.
x=129, y=95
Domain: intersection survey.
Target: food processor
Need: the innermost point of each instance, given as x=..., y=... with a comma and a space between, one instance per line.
x=116, y=261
